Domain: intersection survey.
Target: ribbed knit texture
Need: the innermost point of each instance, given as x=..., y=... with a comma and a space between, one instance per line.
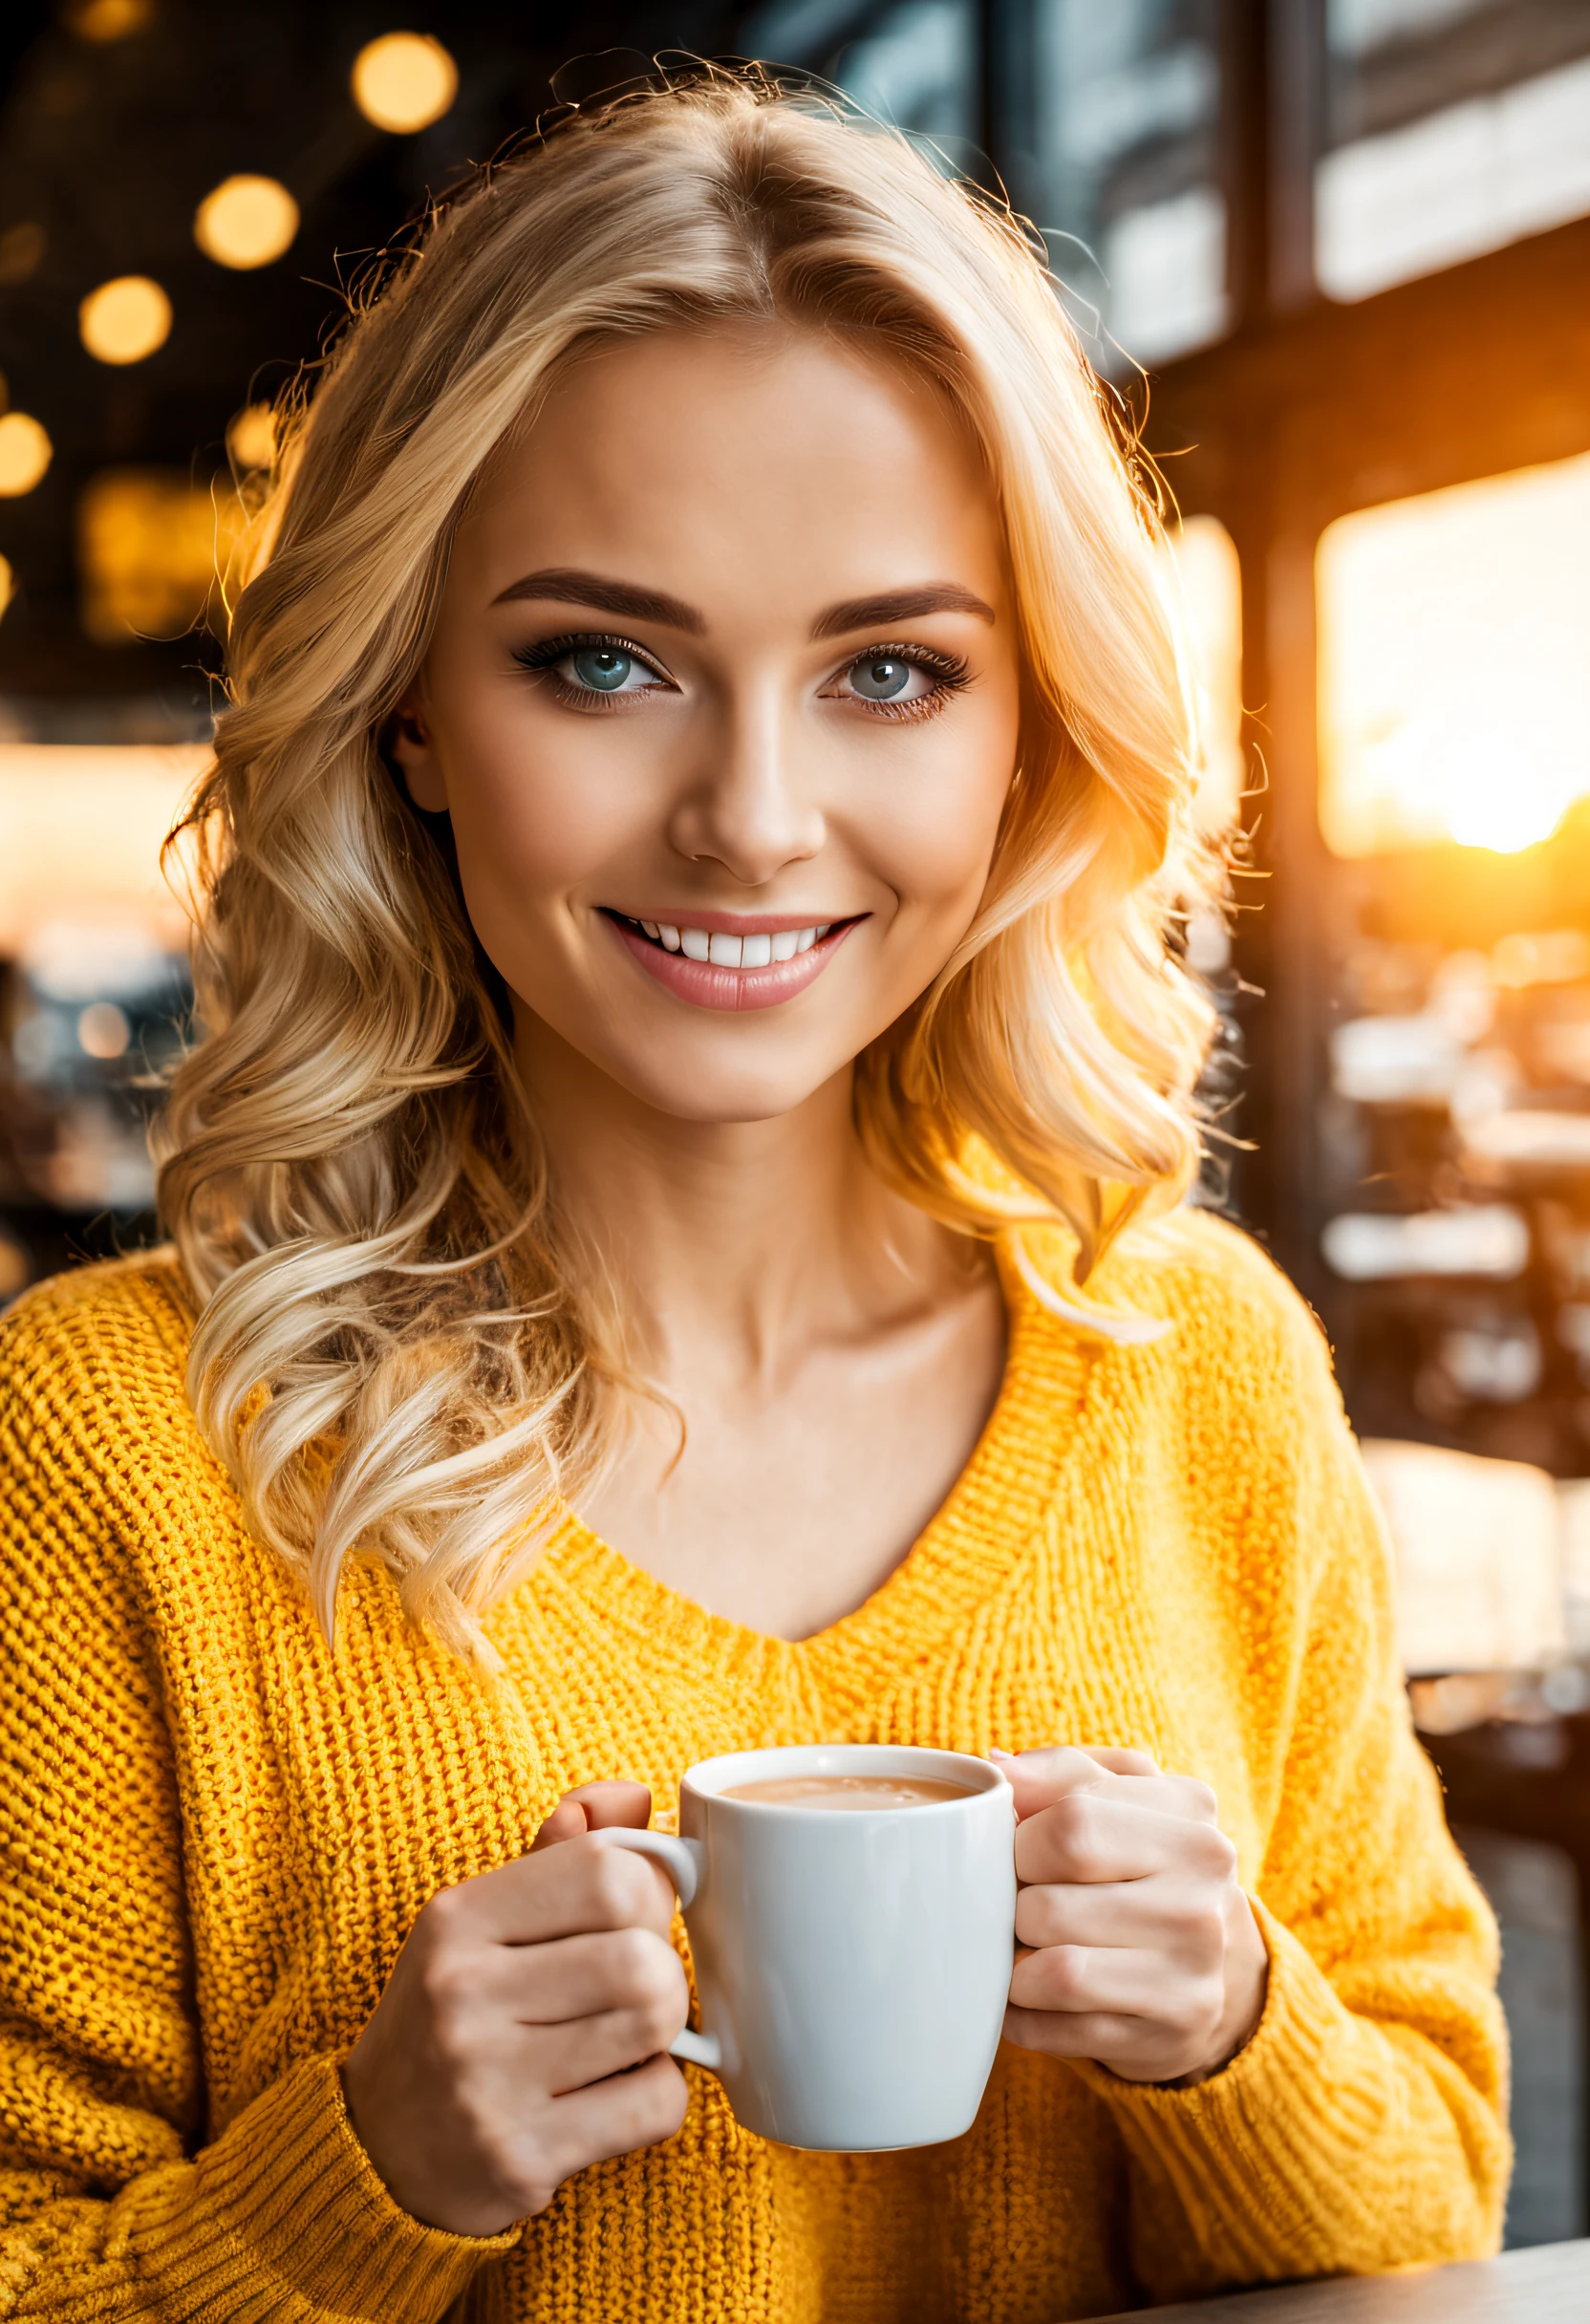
x=213, y=1838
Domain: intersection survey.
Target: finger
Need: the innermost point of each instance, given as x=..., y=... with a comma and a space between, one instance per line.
x=1122, y=1762
x=616, y=2117
x=595, y=1807
x=1116, y=1981
x=565, y=1891
x=598, y=1807
x=590, y=2049
x=568, y=1979
x=1118, y=2042
x=1042, y=1778
x=1177, y=1917
x=1097, y=1836
x=566, y=1821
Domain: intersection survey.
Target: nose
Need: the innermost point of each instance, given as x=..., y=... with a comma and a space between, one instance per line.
x=744, y=804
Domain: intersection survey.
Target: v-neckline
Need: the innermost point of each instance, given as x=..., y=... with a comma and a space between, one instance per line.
x=1035, y=1431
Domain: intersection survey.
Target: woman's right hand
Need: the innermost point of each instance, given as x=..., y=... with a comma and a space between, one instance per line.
x=522, y=2032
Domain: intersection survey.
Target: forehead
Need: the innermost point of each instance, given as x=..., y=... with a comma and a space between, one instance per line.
x=697, y=460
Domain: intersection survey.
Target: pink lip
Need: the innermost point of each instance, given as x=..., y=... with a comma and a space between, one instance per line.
x=731, y=988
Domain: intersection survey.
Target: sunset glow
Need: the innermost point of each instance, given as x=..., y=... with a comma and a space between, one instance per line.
x=80, y=832
x=1207, y=595
x=1454, y=682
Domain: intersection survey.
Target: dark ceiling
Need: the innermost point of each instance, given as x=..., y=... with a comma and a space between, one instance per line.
x=106, y=148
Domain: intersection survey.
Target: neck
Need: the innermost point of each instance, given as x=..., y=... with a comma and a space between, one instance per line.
x=730, y=1245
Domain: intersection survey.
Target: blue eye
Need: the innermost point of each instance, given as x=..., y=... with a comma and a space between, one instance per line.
x=590, y=668
x=601, y=668
x=880, y=678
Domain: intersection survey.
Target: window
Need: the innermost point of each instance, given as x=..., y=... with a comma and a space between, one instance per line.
x=81, y=834
x=1114, y=120
x=915, y=63
x=1451, y=127
x=916, y=66
x=1455, y=687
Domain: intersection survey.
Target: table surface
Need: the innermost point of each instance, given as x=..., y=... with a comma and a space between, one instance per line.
x=1548, y=2285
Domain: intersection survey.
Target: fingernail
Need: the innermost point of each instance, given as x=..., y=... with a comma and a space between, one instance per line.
x=995, y=1752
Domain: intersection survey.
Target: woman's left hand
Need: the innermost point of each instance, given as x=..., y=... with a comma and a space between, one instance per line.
x=1135, y=1945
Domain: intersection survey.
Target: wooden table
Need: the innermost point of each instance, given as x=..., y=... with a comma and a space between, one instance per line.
x=1548, y=2285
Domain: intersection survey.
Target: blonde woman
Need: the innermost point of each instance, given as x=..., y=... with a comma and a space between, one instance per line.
x=676, y=1247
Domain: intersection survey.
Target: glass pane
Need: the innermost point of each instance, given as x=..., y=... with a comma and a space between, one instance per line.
x=1453, y=127
x=1454, y=687
x=916, y=65
x=1115, y=119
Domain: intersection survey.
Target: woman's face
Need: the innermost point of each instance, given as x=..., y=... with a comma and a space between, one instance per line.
x=723, y=701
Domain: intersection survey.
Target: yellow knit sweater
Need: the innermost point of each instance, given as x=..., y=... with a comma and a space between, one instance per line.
x=213, y=1838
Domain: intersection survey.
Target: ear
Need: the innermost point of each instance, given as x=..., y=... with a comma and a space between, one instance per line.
x=411, y=749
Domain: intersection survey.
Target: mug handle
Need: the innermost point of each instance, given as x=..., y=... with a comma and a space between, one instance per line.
x=681, y=1859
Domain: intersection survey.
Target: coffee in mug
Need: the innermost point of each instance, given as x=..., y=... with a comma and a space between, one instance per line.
x=852, y=1968
x=853, y=1792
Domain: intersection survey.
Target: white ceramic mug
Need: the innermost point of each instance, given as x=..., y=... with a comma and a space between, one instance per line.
x=853, y=1964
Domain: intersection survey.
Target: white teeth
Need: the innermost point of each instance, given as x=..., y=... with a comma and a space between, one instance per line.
x=725, y=951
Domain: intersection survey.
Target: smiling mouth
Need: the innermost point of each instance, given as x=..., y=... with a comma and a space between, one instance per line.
x=735, y=969
x=717, y=949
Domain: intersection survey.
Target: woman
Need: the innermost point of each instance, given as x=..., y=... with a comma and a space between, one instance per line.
x=676, y=1249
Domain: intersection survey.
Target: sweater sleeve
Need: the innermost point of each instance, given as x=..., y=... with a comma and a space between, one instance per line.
x=1363, y=2128
x=111, y=2202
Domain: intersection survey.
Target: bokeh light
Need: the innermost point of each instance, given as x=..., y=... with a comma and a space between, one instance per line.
x=103, y=21
x=22, y=250
x=8, y=583
x=404, y=81
x=152, y=545
x=251, y=438
x=103, y=1030
x=24, y=450
x=245, y=221
x=124, y=320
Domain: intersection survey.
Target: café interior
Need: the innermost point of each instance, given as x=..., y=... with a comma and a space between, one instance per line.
x=1333, y=257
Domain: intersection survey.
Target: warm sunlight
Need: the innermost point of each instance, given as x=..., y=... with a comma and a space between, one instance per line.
x=151, y=542
x=1209, y=593
x=80, y=832
x=1455, y=683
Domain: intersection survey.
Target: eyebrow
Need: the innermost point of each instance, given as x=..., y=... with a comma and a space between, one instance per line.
x=568, y=585
x=899, y=605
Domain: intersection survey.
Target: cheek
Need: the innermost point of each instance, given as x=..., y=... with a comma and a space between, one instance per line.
x=933, y=828
x=532, y=820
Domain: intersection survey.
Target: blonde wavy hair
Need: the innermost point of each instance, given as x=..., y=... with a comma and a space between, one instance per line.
x=398, y=1354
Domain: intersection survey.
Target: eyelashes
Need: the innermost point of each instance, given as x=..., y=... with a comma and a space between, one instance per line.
x=947, y=674
x=541, y=660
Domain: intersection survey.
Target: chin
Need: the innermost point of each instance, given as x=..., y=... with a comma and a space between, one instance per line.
x=698, y=1091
